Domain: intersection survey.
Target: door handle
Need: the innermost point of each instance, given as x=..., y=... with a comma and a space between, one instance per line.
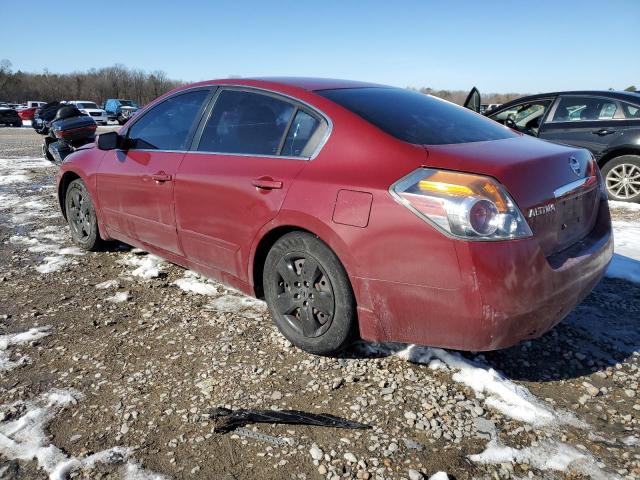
x=266, y=183
x=161, y=177
x=603, y=131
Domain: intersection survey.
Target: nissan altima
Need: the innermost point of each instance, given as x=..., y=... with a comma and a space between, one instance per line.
x=352, y=209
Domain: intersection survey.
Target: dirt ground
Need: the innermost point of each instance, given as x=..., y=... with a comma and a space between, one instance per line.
x=124, y=350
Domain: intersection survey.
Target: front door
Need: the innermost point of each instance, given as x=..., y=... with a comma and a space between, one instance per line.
x=526, y=117
x=135, y=184
x=250, y=151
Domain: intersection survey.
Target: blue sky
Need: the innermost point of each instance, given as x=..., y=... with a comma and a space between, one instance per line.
x=500, y=46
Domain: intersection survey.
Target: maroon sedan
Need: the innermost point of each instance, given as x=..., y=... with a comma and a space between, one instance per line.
x=351, y=208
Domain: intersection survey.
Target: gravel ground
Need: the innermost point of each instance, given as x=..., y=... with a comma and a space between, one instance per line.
x=122, y=355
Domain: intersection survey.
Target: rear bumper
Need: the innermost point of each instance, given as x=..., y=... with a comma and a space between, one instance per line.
x=509, y=292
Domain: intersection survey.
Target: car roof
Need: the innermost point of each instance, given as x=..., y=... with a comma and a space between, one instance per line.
x=305, y=83
x=619, y=95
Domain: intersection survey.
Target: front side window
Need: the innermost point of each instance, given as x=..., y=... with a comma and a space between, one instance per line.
x=575, y=109
x=246, y=122
x=417, y=118
x=167, y=125
x=525, y=115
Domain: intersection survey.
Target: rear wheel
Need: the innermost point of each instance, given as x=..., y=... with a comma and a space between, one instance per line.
x=81, y=216
x=622, y=178
x=309, y=294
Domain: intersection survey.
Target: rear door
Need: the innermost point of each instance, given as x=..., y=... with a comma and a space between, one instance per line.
x=584, y=121
x=136, y=184
x=243, y=161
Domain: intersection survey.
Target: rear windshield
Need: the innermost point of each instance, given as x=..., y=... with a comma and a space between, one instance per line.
x=417, y=118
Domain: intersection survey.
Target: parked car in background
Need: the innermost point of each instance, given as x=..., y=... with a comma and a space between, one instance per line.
x=120, y=109
x=351, y=208
x=98, y=114
x=605, y=122
x=9, y=116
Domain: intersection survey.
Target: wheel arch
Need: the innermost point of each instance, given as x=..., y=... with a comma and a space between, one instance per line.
x=617, y=152
x=68, y=177
x=270, y=234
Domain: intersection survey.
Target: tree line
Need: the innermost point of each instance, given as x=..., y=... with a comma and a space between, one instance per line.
x=119, y=81
x=95, y=85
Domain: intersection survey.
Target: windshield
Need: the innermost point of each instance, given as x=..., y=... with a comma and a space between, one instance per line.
x=86, y=105
x=417, y=118
x=127, y=103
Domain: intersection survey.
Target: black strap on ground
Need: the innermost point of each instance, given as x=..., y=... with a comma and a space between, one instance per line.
x=228, y=420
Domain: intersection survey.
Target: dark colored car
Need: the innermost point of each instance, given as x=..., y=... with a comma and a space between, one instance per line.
x=120, y=109
x=351, y=208
x=9, y=116
x=607, y=123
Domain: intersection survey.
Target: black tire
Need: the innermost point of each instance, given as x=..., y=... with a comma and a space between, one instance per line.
x=614, y=173
x=18, y=123
x=45, y=151
x=309, y=294
x=81, y=216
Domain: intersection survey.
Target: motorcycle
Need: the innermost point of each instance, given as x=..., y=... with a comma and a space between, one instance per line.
x=65, y=128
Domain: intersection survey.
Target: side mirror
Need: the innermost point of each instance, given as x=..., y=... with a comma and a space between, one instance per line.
x=109, y=141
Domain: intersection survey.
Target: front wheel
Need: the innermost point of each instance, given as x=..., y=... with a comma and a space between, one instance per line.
x=81, y=216
x=622, y=178
x=309, y=294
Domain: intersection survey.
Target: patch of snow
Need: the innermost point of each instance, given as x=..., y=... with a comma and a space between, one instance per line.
x=547, y=455
x=14, y=177
x=25, y=438
x=52, y=264
x=108, y=284
x=626, y=259
x=498, y=392
x=439, y=476
x=613, y=204
x=119, y=297
x=235, y=302
x=192, y=282
x=134, y=472
x=13, y=339
x=147, y=266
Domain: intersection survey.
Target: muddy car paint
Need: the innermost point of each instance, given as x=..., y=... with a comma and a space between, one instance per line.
x=411, y=282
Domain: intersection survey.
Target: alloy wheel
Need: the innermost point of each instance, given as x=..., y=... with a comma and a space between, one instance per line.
x=623, y=181
x=305, y=295
x=79, y=212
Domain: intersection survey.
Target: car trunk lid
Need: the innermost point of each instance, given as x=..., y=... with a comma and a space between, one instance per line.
x=555, y=186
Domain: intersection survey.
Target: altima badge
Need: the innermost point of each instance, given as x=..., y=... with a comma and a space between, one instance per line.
x=575, y=165
x=543, y=210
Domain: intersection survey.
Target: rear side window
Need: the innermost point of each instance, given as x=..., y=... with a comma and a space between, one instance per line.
x=303, y=136
x=246, y=122
x=167, y=125
x=417, y=118
x=575, y=109
x=630, y=111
